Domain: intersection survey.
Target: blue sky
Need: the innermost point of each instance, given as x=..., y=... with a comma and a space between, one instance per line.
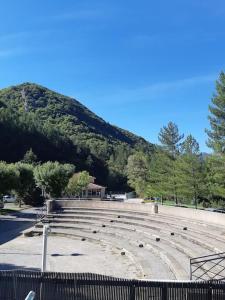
x=137, y=64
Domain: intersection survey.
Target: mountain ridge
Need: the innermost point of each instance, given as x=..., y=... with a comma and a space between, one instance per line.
x=51, y=113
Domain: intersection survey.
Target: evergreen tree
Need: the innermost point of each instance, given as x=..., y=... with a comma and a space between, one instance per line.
x=217, y=117
x=30, y=157
x=170, y=139
x=190, y=171
x=216, y=140
x=215, y=166
x=159, y=181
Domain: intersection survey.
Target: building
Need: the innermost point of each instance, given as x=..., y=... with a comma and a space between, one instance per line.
x=94, y=190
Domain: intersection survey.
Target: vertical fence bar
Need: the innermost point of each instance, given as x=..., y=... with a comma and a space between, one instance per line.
x=164, y=292
x=209, y=294
x=132, y=292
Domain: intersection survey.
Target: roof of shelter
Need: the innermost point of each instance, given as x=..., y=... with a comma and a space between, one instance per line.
x=93, y=186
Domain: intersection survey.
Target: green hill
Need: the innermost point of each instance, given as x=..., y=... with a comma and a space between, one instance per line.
x=60, y=128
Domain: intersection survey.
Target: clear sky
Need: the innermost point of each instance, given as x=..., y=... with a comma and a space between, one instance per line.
x=138, y=64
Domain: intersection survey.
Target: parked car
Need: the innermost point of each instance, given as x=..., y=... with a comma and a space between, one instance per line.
x=9, y=199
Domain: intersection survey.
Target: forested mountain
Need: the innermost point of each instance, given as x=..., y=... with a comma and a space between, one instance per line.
x=60, y=128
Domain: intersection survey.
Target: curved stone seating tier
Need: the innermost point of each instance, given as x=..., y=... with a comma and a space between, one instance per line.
x=181, y=251
x=180, y=240
x=158, y=223
x=122, y=213
x=156, y=244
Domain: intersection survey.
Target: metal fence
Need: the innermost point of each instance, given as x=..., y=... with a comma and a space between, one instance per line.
x=208, y=267
x=15, y=285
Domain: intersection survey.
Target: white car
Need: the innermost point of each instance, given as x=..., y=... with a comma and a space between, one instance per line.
x=9, y=199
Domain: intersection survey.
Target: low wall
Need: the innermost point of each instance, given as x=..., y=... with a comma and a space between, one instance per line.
x=187, y=213
x=194, y=214
x=101, y=204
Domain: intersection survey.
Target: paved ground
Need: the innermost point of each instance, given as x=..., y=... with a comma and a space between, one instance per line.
x=65, y=255
x=12, y=225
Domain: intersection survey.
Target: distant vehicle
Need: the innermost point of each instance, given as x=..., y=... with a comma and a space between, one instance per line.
x=9, y=199
x=1, y=203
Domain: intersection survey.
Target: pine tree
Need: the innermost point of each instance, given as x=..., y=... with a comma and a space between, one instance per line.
x=30, y=157
x=215, y=165
x=190, y=171
x=170, y=139
x=217, y=117
x=159, y=182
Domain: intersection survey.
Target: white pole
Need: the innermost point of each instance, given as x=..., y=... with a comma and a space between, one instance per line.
x=44, y=247
x=30, y=296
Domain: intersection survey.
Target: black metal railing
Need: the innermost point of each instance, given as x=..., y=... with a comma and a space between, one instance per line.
x=15, y=285
x=208, y=267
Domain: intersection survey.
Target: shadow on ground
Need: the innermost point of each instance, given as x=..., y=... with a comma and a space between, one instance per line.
x=10, y=267
x=12, y=226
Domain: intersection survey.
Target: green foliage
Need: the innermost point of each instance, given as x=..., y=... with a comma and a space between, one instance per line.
x=137, y=172
x=30, y=157
x=170, y=138
x=8, y=178
x=25, y=184
x=53, y=177
x=77, y=183
x=160, y=179
x=190, y=171
x=59, y=128
x=215, y=166
x=217, y=117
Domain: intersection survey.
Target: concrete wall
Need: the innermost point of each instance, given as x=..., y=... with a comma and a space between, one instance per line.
x=187, y=213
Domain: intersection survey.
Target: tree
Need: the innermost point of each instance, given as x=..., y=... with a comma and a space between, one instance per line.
x=159, y=181
x=8, y=178
x=53, y=177
x=137, y=172
x=190, y=176
x=217, y=117
x=215, y=165
x=78, y=182
x=170, y=138
x=29, y=157
x=26, y=184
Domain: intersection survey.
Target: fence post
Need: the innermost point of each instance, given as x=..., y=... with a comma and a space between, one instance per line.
x=209, y=296
x=164, y=293
x=132, y=292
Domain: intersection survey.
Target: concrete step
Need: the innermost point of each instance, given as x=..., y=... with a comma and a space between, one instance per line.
x=197, y=235
x=134, y=237
x=148, y=214
x=150, y=269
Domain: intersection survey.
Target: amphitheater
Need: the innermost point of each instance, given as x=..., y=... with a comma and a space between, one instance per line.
x=132, y=241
